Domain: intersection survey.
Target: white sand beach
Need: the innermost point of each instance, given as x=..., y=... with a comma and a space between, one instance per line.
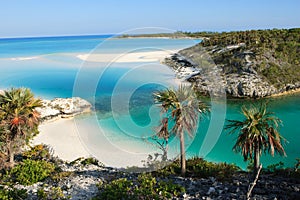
x=149, y=56
x=62, y=137
x=69, y=140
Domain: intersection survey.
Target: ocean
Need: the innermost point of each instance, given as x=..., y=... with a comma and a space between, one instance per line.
x=120, y=89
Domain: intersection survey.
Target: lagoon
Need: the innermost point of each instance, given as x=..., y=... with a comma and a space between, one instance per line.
x=121, y=93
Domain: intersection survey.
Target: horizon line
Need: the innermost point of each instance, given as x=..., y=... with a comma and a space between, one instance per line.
x=57, y=36
x=116, y=34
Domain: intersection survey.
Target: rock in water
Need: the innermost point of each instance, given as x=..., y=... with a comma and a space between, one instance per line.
x=63, y=108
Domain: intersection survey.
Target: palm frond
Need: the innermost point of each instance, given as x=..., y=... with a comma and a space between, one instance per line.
x=184, y=108
x=260, y=128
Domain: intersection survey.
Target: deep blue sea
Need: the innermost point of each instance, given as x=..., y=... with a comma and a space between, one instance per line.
x=121, y=92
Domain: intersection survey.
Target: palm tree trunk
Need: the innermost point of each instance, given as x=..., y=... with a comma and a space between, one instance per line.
x=165, y=151
x=256, y=160
x=10, y=152
x=182, y=154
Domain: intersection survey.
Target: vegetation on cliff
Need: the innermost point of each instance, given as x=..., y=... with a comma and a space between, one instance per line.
x=253, y=63
x=276, y=53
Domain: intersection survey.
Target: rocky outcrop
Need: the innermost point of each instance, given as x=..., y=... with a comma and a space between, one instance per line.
x=210, y=78
x=63, y=108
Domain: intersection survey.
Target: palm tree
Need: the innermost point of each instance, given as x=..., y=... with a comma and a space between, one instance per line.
x=182, y=107
x=257, y=133
x=19, y=119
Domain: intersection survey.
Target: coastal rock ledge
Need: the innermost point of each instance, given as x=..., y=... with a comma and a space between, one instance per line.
x=63, y=108
x=210, y=79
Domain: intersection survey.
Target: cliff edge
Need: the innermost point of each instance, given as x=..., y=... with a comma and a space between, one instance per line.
x=245, y=64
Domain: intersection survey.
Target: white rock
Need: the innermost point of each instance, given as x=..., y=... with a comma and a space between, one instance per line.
x=63, y=107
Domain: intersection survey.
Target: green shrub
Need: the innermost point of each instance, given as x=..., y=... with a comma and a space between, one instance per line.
x=200, y=168
x=31, y=171
x=59, y=175
x=117, y=189
x=274, y=167
x=144, y=187
x=279, y=170
x=38, y=152
x=150, y=188
x=87, y=161
x=91, y=161
x=171, y=169
x=53, y=194
x=169, y=189
x=76, y=161
x=12, y=194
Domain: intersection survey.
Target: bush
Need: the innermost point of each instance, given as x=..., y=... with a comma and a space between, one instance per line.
x=150, y=188
x=52, y=194
x=200, y=168
x=117, y=189
x=87, y=161
x=11, y=194
x=91, y=161
x=59, y=175
x=76, y=161
x=274, y=167
x=168, y=189
x=31, y=171
x=39, y=152
x=279, y=170
x=144, y=187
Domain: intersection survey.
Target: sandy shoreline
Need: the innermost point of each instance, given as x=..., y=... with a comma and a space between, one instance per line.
x=61, y=136
x=71, y=139
x=150, y=56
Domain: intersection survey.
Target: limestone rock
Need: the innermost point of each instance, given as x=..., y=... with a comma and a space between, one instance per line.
x=63, y=108
x=82, y=182
x=210, y=79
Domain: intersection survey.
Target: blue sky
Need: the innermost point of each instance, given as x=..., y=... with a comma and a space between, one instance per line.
x=79, y=17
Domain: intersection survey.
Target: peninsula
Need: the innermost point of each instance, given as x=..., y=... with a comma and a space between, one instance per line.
x=255, y=63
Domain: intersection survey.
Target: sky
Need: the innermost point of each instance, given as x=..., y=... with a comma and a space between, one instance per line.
x=27, y=18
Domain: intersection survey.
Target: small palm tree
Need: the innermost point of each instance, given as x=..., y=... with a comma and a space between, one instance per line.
x=257, y=133
x=19, y=119
x=182, y=107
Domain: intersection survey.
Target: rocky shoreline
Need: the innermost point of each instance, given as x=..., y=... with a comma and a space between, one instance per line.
x=81, y=183
x=209, y=78
x=63, y=108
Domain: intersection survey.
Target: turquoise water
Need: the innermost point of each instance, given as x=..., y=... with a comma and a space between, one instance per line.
x=122, y=92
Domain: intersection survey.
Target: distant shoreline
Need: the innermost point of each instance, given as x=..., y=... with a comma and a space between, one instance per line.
x=150, y=56
x=156, y=37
